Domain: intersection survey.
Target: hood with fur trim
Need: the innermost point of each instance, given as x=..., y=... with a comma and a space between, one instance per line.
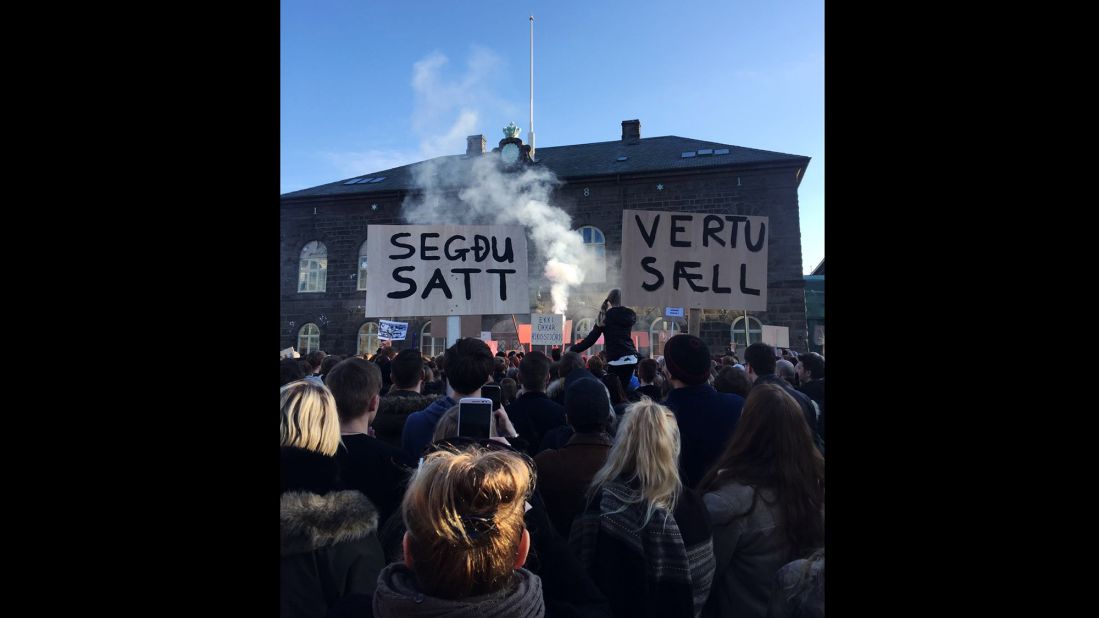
x=311, y=521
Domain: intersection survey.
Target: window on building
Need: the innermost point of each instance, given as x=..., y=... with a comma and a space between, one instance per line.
x=431, y=346
x=755, y=333
x=313, y=267
x=368, y=338
x=594, y=239
x=362, y=267
x=583, y=327
x=659, y=333
x=309, y=338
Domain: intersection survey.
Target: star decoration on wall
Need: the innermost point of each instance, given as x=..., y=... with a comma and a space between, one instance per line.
x=660, y=187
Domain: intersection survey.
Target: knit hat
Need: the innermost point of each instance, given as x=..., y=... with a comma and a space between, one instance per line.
x=688, y=359
x=587, y=403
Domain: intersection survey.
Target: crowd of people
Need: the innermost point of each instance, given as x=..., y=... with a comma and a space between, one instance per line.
x=689, y=484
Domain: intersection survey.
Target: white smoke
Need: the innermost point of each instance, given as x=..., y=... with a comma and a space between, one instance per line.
x=479, y=191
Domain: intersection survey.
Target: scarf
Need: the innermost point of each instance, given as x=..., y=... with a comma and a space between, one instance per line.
x=397, y=596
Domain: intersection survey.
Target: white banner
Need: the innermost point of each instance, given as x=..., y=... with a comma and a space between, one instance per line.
x=392, y=331
x=435, y=270
x=694, y=260
x=547, y=329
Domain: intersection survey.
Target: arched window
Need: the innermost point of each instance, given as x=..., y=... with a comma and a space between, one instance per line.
x=755, y=333
x=368, y=338
x=432, y=346
x=362, y=267
x=583, y=327
x=313, y=267
x=659, y=333
x=594, y=239
x=309, y=338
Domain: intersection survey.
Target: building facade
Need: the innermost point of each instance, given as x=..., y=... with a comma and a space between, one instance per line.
x=323, y=233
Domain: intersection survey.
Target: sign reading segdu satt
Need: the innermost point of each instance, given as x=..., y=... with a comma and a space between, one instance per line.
x=696, y=260
x=418, y=270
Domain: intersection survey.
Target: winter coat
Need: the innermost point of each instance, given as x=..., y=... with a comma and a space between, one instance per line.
x=377, y=469
x=616, y=328
x=420, y=426
x=663, y=568
x=798, y=591
x=564, y=476
x=393, y=411
x=750, y=545
x=706, y=421
x=329, y=547
x=398, y=596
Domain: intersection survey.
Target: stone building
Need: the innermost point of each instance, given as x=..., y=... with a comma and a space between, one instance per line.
x=323, y=239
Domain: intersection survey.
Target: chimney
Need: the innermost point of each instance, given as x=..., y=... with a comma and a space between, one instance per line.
x=475, y=145
x=631, y=131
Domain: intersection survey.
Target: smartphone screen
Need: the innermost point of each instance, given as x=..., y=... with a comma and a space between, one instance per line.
x=475, y=417
x=492, y=391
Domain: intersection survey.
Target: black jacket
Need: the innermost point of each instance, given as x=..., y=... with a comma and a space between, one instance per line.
x=803, y=400
x=329, y=547
x=616, y=328
x=375, y=468
x=537, y=413
x=393, y=411
x=814, y=389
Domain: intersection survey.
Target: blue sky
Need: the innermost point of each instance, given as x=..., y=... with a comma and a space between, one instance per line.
x=367, y=86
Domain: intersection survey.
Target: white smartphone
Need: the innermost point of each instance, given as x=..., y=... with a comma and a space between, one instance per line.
x=475, y=418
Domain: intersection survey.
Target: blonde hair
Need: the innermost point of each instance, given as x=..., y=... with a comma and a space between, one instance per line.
x=646, y=449
x=464, y=513
x=447, y=426
x=309, y=417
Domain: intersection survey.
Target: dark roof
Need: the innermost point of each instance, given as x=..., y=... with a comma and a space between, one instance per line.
x=580, y=160
x=819, y=270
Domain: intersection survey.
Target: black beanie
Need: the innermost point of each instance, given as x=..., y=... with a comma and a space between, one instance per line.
x=587, y=403
x=688, y=359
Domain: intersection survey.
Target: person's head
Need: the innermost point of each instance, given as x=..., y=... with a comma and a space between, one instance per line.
x=468, y=365
x=289, y=371
x=688, y=360
x=329, y=362
x=464, y=513
x=447, y=427
x=810, y=366
x=556, y=354
x=355, y=385
x=733, y=380
x=614, y=388
x=315, y=358
x=646, y=448
x=407, y=370
x=728, y=361
x=588, y=406
x=785, y=370
x=508, y=389
x=759, y=360
x=595, y=366
x=646, y=371
x=772, y=447
x=534, y=372
x=309, y=417
x=499, y=364
x=569, y=361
